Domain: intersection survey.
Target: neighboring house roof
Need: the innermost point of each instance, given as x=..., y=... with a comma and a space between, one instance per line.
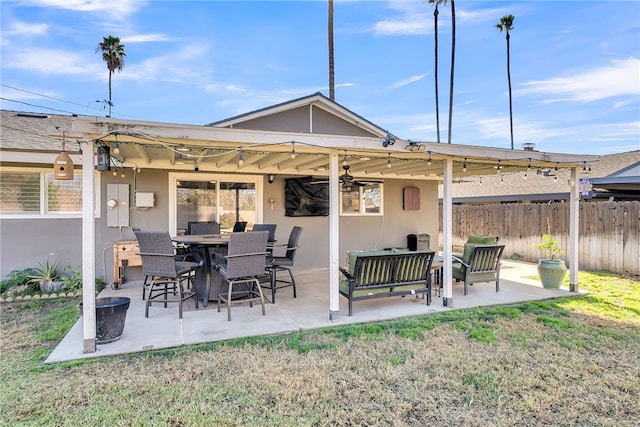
x=314, y=114
x=614, y=175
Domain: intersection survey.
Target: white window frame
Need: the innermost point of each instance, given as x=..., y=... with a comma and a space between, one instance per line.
x=174, y=177
x=43, y=214
x=361, y=206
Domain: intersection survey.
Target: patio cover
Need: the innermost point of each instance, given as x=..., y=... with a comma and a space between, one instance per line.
x=164, y=145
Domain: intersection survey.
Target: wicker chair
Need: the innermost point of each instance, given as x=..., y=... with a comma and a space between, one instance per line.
x=239, y=226
x=166, y=274
x=244, y=262
x=208, y=227
x=284, y=263
x=271, y=228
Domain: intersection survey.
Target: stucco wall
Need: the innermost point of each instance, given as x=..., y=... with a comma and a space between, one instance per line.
x=28, y=242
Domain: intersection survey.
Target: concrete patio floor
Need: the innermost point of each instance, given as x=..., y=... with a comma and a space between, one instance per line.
x=310, y=310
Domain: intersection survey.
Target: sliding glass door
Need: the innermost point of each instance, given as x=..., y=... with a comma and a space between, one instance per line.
x=207, y=197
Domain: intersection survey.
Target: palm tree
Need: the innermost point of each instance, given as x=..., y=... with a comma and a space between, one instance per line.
x=453, y=56
x=435, y=74
x=506, y=24
x=113, y=54
x=332, y=91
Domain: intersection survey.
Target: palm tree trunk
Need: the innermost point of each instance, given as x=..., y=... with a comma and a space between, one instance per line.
x=435, y=33
x=509, y=82
x=332, y=92
x=453, y=56
x=110, y=93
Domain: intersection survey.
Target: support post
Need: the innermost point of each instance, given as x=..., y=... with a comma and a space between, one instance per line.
x=447, y=234
x=574, y=230
x=334, y=236
x=88, y=252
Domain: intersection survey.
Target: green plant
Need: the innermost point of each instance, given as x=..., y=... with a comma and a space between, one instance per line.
x=72, y=278
x=551, y=245
x=45, y=273
x=16, y=278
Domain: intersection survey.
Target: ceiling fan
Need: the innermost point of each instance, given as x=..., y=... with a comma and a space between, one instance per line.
x=348, y=181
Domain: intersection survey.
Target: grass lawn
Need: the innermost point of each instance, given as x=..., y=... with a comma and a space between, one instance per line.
x=569, y=361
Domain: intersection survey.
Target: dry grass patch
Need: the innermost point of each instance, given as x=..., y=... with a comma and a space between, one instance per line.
x=562, y=362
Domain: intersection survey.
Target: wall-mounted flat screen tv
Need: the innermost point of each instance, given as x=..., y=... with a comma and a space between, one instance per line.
x=306, y=197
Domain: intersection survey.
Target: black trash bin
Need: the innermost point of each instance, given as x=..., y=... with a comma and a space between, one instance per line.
x=412, y=242
x=111, y=313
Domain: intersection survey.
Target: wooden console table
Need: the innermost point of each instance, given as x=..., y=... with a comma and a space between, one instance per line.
x=125, y=254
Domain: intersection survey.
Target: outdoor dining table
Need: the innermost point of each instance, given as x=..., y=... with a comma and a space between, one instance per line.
x=206, y=246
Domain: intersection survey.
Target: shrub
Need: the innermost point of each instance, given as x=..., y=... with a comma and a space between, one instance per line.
x=16, y=278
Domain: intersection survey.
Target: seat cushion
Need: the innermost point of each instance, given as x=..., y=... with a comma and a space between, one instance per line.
x=457, y=270
x=185, y=266
x=483, y=240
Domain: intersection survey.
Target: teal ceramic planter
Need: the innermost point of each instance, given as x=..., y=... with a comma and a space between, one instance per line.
x=551, y=272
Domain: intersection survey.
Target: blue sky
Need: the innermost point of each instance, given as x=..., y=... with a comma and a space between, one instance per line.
x=575, y=65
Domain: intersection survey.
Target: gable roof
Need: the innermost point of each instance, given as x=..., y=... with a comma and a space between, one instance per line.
x=313, y=114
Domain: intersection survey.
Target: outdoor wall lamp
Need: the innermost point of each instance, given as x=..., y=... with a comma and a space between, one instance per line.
x=104, y=158
x=389, y=139
x=271, y=178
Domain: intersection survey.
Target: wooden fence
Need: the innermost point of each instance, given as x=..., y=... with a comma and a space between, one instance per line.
x=609, y=231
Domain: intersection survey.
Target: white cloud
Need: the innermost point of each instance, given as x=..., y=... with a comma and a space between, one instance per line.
x=407, y=81
x=18, y=27
x=117, y=9
x=618, y=79
x=50, y=61
x=175, y=67
x=145, y=38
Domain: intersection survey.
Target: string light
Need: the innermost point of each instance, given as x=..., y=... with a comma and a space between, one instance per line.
x=241, y=159
x=480, y=180
x=116, y=145
x=501, y=179
x=293, y=150
x=528, y=169
x=122, y=170
x=115, y=173
x=389, y=161
x=498, y=167
x=429, y=159
x=464, y=165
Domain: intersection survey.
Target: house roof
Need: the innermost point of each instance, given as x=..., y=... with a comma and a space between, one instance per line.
x=311, y=108
x=259, y=139
x=29, y=131
x=614, y=172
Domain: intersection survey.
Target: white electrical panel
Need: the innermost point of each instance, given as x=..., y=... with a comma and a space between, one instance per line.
x=117, y=205
x=145, y=200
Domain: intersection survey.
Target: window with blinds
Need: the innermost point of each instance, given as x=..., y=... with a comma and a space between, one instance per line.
x=38, y=193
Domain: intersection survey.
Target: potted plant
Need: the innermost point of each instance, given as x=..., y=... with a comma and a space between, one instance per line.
x=46, y=276
x=551, y=270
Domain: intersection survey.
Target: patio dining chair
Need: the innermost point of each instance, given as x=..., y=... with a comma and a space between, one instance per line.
x=241, y=267
x=239, y=226
x=165, y=276
x=284, y=263
x=203, y=227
